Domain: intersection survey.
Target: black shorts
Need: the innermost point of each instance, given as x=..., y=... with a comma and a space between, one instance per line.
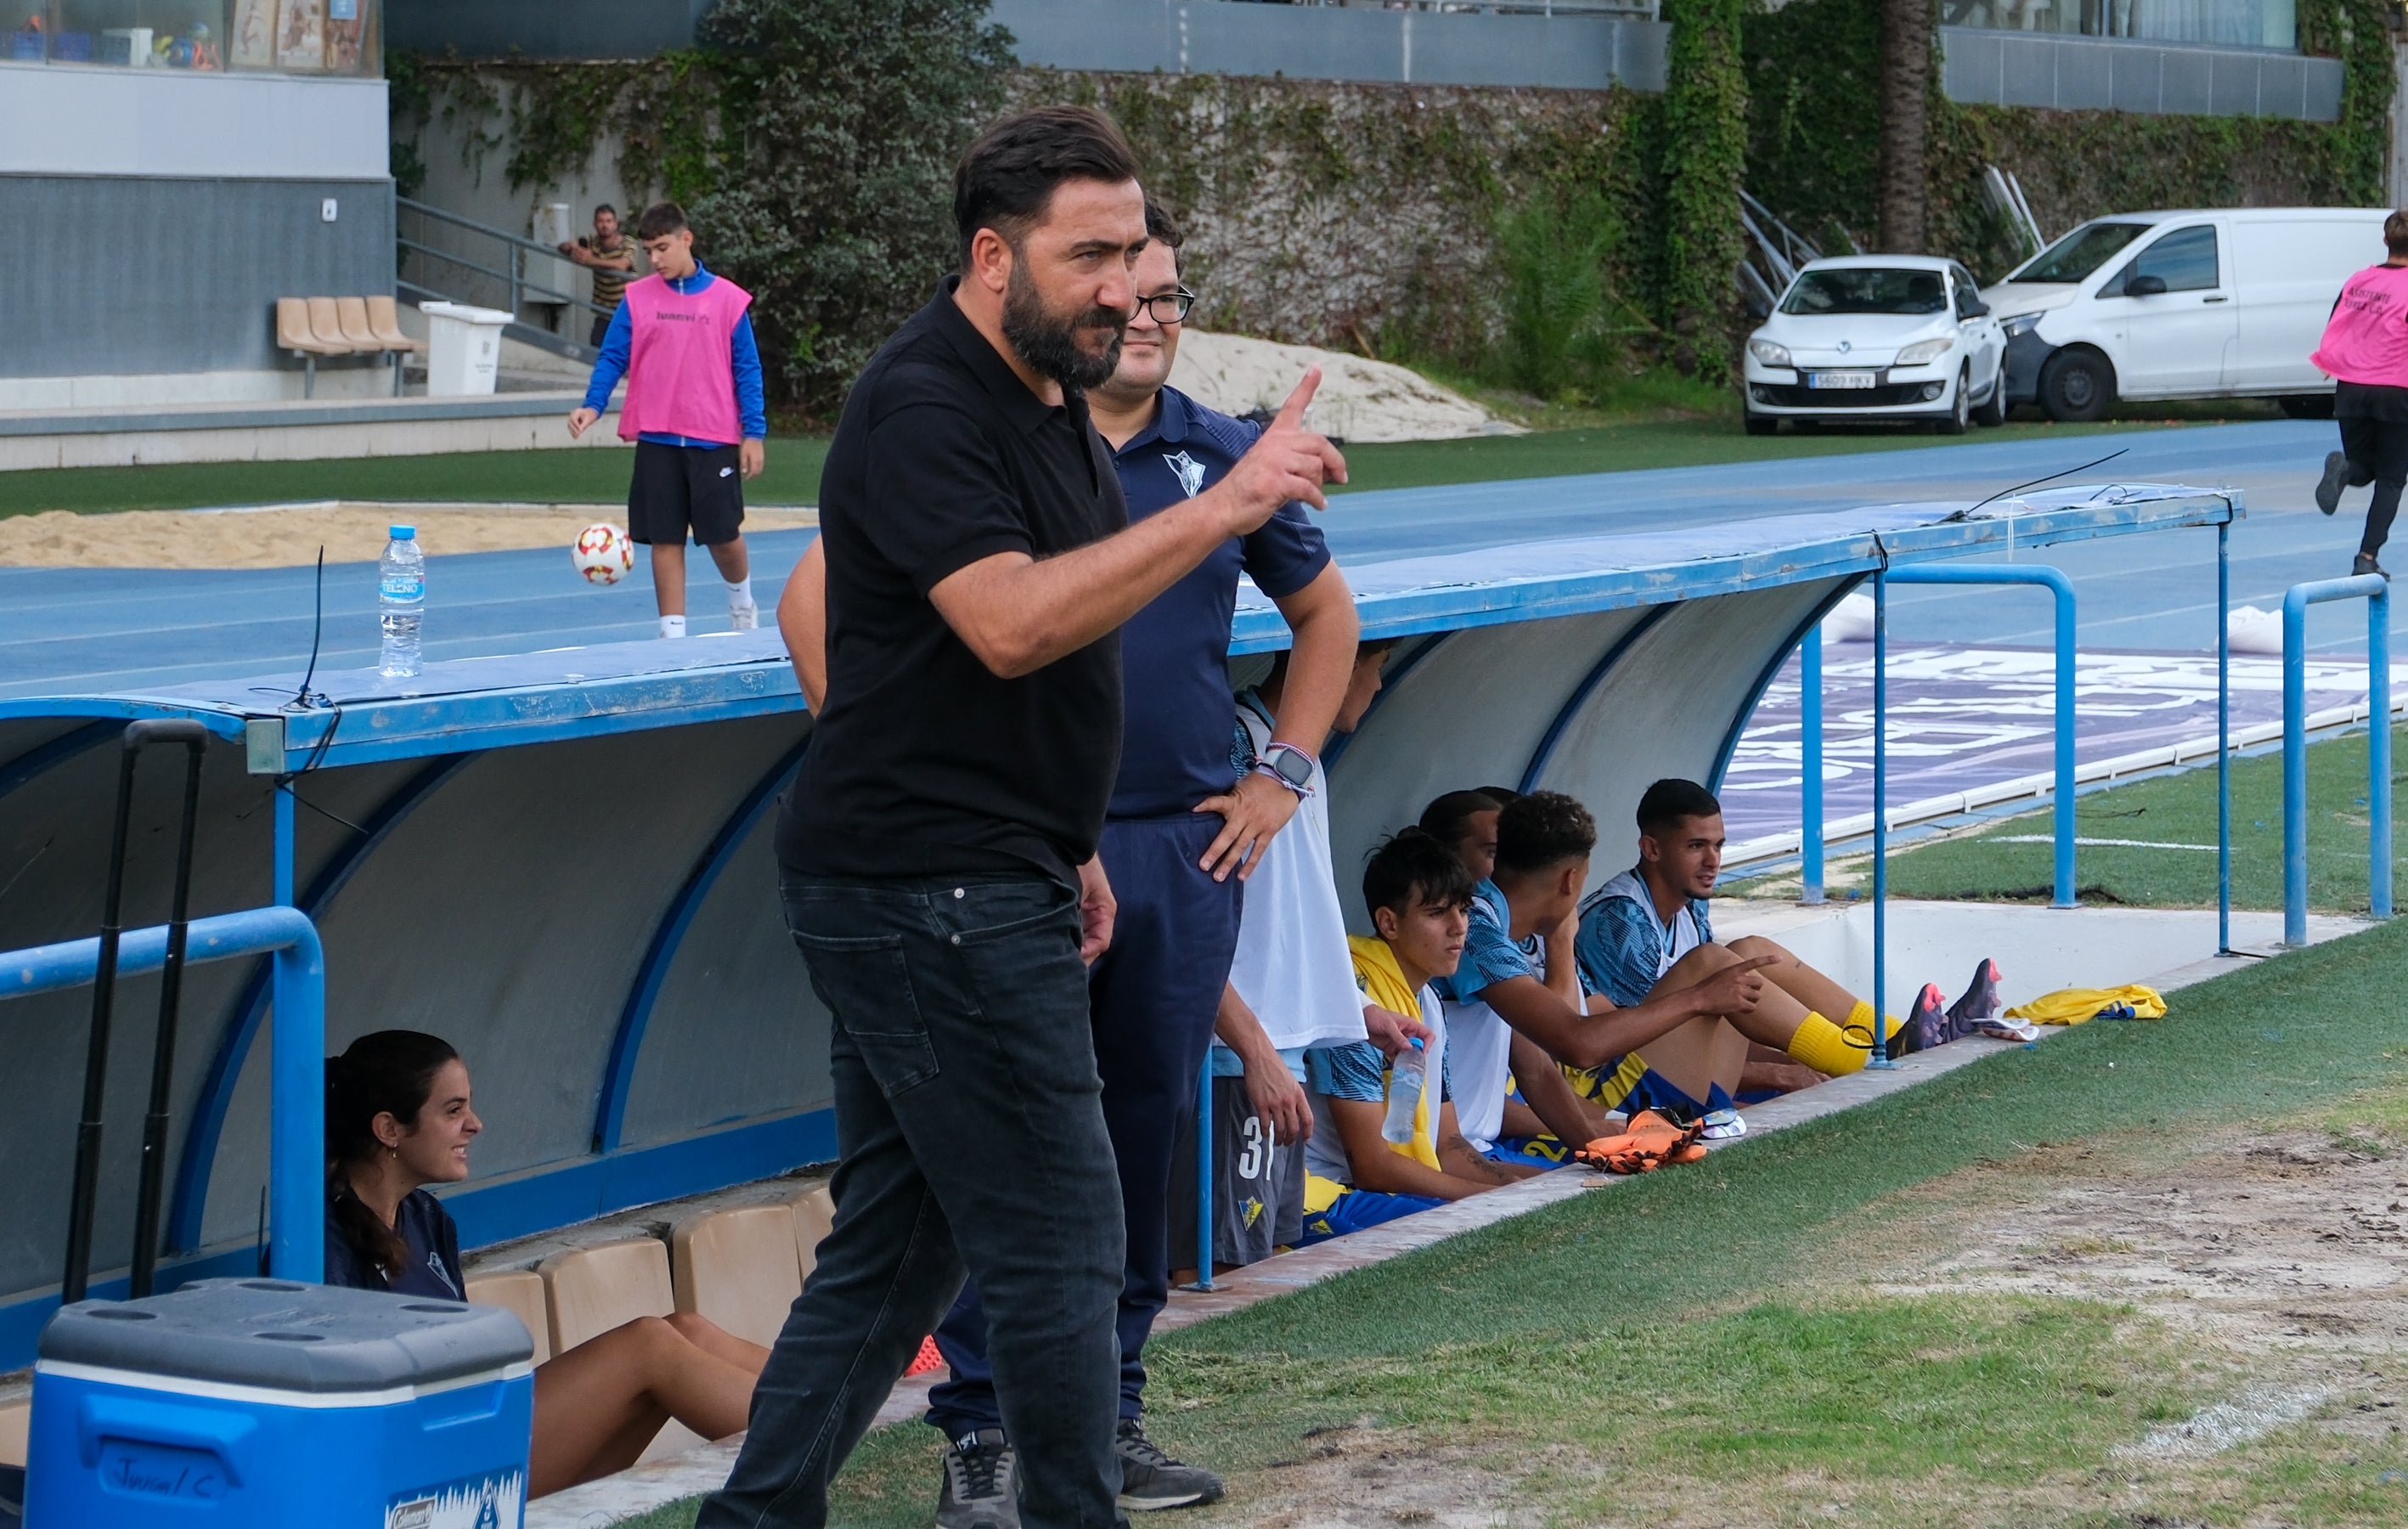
x=1258, y=1188
x=682, y=488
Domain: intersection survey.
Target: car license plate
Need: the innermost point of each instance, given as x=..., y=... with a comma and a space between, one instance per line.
x=1839, y=379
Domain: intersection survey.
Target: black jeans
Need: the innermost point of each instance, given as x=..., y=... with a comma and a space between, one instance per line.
x=1154, y=996
x=2377, y=449
x=970, y=1133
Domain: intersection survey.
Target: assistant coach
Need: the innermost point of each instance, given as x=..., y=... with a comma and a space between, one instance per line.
x=937, y=852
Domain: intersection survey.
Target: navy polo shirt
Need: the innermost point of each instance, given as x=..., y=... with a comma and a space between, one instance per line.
x=431, y=1267
x=1175, y=652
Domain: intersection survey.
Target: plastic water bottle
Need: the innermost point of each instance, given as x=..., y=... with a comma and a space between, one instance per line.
x=401, y=599
x=1405, y=1078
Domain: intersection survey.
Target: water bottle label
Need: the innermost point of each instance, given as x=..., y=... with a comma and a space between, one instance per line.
x=405, y=587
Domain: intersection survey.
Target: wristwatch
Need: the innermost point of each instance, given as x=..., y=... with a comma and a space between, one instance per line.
x=1290, y=765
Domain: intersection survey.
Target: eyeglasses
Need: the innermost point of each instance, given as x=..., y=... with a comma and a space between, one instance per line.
x=1168, y=307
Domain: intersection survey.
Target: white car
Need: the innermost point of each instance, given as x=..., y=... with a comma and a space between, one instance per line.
x=1877, y=337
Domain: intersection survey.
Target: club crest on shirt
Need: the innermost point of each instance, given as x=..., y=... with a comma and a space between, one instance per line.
x=1189, y=471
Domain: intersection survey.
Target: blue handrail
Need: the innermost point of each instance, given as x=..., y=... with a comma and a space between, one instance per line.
x=2062, y=588
x=2376, y=592
x=296, y=1172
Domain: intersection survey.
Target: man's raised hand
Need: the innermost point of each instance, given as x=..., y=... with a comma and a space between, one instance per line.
x=1288, y=461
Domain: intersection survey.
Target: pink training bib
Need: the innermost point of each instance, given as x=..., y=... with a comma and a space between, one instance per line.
x=2367, y=338
x=681, y=366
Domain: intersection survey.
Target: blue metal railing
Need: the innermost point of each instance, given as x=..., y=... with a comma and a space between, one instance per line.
x=2376, y=592
x=2062, y=587
x=296, y=1173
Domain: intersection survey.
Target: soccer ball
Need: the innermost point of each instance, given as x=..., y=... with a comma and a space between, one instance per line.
x=603, y=553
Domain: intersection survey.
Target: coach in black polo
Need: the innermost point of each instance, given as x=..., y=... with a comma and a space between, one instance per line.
x=938, y=852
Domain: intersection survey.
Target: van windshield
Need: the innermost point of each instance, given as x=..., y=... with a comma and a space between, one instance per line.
x=2074, y=257
x=1865, y=290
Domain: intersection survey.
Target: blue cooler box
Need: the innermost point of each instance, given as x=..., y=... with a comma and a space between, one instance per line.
x=271, y=1404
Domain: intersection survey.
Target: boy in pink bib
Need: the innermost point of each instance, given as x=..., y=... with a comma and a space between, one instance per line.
x=2365, y=351
x=695, y=409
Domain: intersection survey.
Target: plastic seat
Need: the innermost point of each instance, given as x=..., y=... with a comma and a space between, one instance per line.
x=328, y=328
x=520, y=1293
x=738, y=1267
x=384, y=323
x=814, y=1212
x=292, y=330
x=594, y=1290
x=15, y=1419
x=351, y=321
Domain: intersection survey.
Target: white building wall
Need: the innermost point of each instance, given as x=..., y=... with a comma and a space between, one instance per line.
x=75, y=121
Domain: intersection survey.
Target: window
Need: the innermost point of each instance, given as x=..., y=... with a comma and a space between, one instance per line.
x=2183, y=260
x=2234, y=23
x=1865, y=290
x=287, y=36
x=2074, y=257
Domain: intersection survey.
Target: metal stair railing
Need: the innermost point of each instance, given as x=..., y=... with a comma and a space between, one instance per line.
x=502, y=269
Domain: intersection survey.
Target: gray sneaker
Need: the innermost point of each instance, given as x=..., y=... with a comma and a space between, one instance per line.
x=1151, y=1479
x=982, y=1488
x=2336, y=477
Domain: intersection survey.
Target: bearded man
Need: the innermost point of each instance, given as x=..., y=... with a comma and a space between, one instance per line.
x=938, y=852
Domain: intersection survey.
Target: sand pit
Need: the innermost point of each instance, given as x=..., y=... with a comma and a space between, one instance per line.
x=1365, y=402
x=284, y=536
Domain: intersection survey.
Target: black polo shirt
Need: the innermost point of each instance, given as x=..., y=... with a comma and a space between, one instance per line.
x=923, y=761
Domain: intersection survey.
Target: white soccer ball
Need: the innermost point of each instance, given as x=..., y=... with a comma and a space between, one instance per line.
x=603, y=553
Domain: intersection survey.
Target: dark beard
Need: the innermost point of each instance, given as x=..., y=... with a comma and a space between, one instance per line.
x=1049, y=344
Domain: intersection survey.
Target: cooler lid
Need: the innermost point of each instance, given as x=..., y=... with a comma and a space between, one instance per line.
x=285, y=1335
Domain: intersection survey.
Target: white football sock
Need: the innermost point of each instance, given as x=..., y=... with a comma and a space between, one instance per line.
x=672, y=626
x=740, y=593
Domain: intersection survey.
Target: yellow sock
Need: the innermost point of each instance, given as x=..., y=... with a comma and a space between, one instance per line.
x=1826, y=1048
x=1862, y=1014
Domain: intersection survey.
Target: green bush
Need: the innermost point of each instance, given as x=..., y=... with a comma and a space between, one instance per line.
x=839, y=122
x=1553, y=257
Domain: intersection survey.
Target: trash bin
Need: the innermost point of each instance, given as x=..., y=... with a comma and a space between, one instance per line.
x=463, y=347
x=268, y=1404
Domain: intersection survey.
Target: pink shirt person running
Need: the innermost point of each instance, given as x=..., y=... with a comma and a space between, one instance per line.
x=2366, y=340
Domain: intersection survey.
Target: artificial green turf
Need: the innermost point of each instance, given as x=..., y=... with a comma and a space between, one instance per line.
x=1683, y=1289
x=584, y=476
x=793, y=476
x=2178, y=808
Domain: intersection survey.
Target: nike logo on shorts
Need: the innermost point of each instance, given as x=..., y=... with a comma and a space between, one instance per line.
x=727, y=472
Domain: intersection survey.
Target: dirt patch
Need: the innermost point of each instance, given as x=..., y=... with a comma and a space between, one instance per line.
x=2287, y=1255
x=1364, y=1476
x=289, y=535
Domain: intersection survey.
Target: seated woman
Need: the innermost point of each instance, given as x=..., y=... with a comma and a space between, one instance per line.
x=398, y=1118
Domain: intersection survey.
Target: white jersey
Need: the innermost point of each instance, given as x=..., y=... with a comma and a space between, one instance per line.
x=1678, y=937
x=1291, y=965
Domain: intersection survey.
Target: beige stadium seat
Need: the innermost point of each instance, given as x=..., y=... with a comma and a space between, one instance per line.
x=352, y=318
x=594, y=1290
x=738, y=1267
x=327, y=325
x=14, y=1417
x=520, y=1293
x=293, y=333
x=384, y=321
x=814, y=1210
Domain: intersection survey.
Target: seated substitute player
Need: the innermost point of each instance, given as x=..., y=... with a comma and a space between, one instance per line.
x=1544, y=844
x=1637, y=929
x=1466, y=823
x=1288, y=989
x=1418, y=894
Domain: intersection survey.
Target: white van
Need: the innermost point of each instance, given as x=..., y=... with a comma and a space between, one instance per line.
x=2216, y=304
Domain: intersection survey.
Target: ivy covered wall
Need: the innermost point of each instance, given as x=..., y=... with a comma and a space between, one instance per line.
x=1378, y=218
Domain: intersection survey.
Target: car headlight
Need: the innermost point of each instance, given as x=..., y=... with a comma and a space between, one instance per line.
x=1769, y=354
x=1924, y=350
x=2022, y=323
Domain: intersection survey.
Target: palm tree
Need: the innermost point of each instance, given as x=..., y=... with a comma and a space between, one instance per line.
x=1905, y=105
